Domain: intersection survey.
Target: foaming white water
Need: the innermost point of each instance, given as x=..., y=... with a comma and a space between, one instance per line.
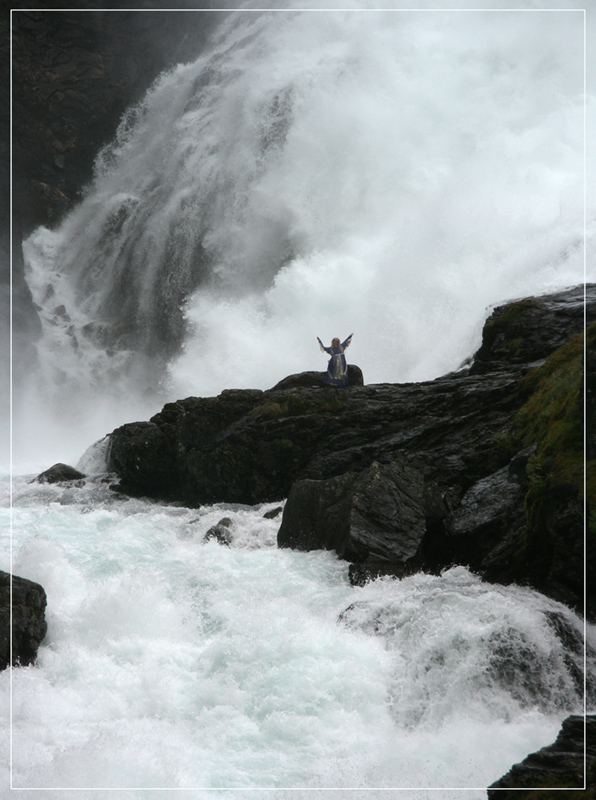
x=177, y=663
x=391, y=173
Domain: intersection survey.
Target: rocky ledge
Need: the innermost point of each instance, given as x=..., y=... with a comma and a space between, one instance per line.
x=482, y=467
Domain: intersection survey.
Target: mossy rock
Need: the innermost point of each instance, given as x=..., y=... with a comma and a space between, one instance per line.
x=551, y=421
x=298, y=403
x=552, y=417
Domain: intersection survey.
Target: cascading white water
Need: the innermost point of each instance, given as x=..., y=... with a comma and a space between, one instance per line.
x=175, y=663
x=387, y=172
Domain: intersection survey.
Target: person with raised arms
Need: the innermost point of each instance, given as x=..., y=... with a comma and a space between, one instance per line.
x=337, y=368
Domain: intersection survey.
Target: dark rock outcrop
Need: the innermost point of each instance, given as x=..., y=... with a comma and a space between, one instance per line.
x=75, y=71
x=29, y=626
x=143, y=456
x=499, y=446
x=374, y=519
x=515, y=333
x=60, y=473
x=557, y=767
x=484, y=525
x=310, y=380
x=273, y=513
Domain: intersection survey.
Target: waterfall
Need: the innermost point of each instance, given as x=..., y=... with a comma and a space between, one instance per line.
x=391, y=172
x=387, y=172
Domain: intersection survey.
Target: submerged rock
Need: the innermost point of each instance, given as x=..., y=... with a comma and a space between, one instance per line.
x=557, y=767
x=29, y=626
x=221, y=532
x=273, y=513
x=60, y=473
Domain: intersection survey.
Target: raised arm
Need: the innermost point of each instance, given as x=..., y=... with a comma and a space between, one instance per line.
x=347, y=341
x=322, y=346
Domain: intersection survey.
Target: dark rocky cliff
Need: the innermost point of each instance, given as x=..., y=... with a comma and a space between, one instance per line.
x=560, y=770
x=498, y=448
x=74, y=74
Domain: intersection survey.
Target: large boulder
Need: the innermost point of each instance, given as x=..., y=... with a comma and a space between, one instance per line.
x=553, y=769
x=142, y=455
x=483, y=531
x=29, y=626
x=249, y=446
x=374, y=519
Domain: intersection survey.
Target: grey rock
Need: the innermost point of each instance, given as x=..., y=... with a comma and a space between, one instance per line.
x=483, y=530
x=221, y=532
x=60, y=473
x=374, y=519
x=273, y=513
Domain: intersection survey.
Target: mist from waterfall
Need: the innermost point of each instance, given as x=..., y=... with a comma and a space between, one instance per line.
x=388, y=172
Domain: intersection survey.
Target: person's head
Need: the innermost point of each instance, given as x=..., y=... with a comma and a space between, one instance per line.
x=335, y=342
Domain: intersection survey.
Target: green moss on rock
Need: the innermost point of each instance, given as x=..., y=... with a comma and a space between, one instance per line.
x=551, y=421
x=508, y=315
x=299, y=403
x=552, y=417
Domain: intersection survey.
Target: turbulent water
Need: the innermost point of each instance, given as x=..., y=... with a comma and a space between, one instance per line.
x=390, y=173
x=175, y=662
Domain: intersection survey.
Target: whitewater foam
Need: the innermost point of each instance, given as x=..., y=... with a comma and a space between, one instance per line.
x=171, y=662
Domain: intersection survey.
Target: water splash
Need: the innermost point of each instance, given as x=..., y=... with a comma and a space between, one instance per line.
x=391, y=173
x=172, y=661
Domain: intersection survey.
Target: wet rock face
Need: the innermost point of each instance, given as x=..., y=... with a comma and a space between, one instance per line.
x=142, y=455
x=374, y=519
x=482, y=531
x=60, y=473
x=498, y=448
x=28, y=621
x=556, y=767
x=513, y=333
